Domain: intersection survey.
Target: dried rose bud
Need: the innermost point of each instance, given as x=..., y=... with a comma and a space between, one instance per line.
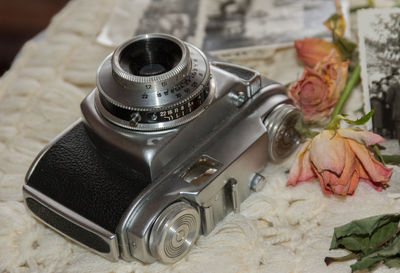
x=340, y=160
x=313, y=50
x=317, y=91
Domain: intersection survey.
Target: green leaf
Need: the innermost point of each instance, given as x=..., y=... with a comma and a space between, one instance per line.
x=391, y=159
x=366, y=263
x=392, y=262
x=365, y=234
x=385, y=159
x=373, y=241
x=334, y=124
x=362, y=228
x=378, y=155
x=334, y=17
x=364, y=119
x=345, y=46
x=375, y=258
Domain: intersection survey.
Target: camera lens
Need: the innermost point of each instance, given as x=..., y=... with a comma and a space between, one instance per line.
x=150, y=57
x=153, y=82
x=150, y=62
x=282, y=134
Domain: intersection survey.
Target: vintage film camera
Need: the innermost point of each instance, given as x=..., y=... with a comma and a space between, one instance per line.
x=169, y=144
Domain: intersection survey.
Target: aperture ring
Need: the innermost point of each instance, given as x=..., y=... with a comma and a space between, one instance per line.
x=157, y=115
x=157, y=119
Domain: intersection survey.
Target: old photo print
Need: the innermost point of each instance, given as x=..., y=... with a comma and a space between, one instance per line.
x=181, y=18
x=220, y=24
x=379, y=44
x=244, y=23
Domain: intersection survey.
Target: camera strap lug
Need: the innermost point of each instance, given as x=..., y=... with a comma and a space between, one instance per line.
x=235, y=195
x=207, y=223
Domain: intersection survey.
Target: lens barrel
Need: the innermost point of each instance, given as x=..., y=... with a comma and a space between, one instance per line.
x=157, y=60
x=153, y=82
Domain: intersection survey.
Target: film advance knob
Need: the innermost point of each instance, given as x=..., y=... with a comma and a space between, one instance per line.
x=174, y=232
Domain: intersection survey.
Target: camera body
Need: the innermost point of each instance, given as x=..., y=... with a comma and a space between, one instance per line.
x=160, y=159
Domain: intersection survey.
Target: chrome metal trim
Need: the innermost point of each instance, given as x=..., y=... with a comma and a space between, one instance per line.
x=174, y=232
x=132, y=98
x=170, y=187
x=253, y=84
x=76, y=219
x=156, y=126
x=273, y=123
x=208, y=224
x=235, y=195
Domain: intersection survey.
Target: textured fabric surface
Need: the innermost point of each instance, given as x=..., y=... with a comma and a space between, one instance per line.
x=279, y=229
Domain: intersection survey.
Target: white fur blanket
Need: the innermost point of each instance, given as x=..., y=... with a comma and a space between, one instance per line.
x=278, y=230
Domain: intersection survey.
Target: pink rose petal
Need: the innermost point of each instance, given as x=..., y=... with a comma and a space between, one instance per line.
x=376, y=171
x=327, y=152
x=364, y=137
x=299, y=168
x=340, y=160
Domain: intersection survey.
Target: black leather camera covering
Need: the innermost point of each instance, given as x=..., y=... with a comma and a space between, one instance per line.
x=76, y=174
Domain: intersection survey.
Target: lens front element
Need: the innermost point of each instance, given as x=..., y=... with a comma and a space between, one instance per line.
x=150, y=57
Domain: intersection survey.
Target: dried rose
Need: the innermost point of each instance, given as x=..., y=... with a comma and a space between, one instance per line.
x=313, y=50
x=317, y=91
x=340, y=159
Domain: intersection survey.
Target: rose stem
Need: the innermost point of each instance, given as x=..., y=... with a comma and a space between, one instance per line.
x=329, y=260
x=353, y=80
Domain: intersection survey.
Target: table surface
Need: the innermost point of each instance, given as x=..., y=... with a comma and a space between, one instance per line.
x=280, y=229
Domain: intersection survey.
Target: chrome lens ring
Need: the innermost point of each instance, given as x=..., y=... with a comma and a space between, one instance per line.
x=153, y=102
x=165, y=118
x=174, y=232
x=283, y=138
x=155, y=60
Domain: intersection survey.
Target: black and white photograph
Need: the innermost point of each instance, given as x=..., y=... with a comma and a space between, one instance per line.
x=221, y=24
x=183, y=19
x=244, y=23
x=175, y=17
x=379, y=43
